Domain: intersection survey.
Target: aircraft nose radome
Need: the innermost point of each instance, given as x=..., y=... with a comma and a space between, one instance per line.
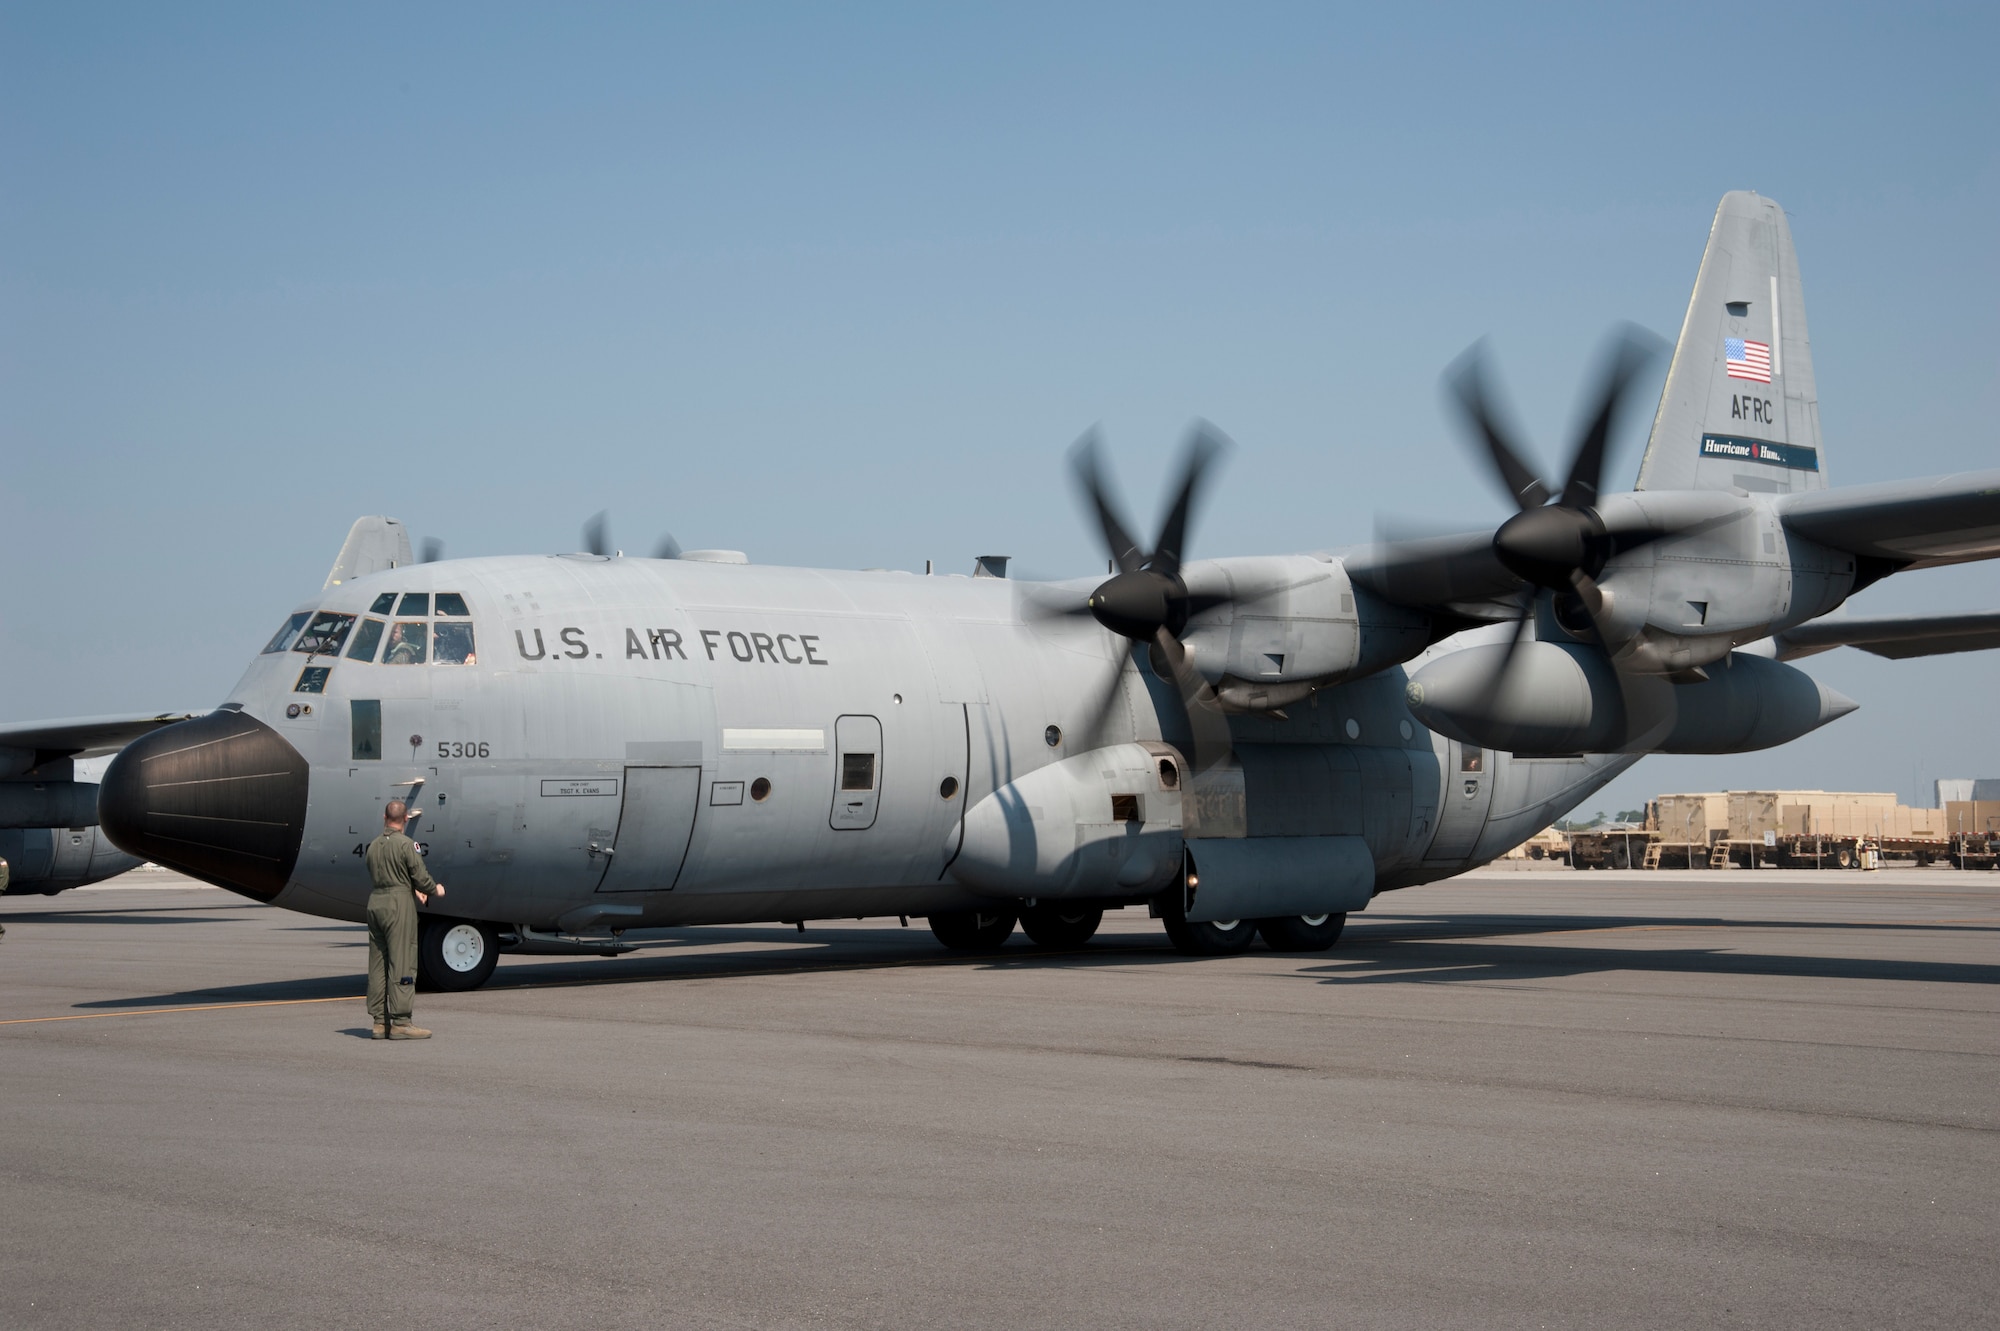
x=221, y=798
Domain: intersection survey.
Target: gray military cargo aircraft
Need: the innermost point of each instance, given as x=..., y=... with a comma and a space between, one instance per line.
x=1245, y=745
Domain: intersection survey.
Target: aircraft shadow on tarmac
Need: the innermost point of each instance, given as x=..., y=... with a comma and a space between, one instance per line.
x=1391, y=951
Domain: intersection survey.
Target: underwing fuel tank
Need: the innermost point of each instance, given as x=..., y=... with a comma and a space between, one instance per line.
x=1103, y=823
x=1559, y=699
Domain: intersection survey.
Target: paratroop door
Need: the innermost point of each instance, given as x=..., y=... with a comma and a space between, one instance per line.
x=653, y=829
x=857, y=772
x=1468, y=790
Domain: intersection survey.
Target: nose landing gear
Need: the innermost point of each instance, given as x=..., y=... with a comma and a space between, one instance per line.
x=454, y=956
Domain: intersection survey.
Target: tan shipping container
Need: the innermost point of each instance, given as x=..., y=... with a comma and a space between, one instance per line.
x=1971, y=816
x=1692, y=818
x=1752, y=813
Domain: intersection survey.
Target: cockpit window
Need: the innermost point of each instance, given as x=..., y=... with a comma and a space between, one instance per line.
x=324, y=636
x=451, y=603
x=383, y=604
x=366, y=639
x=284, y=636
x=454, y=643
x=406, y=644
x=415, y=603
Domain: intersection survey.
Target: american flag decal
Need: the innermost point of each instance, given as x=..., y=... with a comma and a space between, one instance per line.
x=1746, y=359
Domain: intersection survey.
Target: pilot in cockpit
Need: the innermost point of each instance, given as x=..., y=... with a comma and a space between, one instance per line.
x=406, y=645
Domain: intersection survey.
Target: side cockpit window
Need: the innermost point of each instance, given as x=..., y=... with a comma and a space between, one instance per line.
x=453, y=642
x=406, y=644
x=366, y=639
x=285, y=636
x=325, y=635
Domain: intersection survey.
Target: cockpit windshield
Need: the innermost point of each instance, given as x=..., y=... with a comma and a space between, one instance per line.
x=283, y=637
x=383, y=604
x=415, y=603
x=453, y=643
x=406, y=644
x=366, y=639
x=324, y=636
x=451, y=603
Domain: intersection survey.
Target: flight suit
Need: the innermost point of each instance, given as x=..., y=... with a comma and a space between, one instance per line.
x=398, y=873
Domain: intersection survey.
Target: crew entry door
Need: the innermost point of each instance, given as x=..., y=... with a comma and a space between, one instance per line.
x=857, y=772
x=1468, y=791
x=654, y=825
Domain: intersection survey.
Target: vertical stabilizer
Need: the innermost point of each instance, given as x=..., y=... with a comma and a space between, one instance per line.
x=373, y=544
x=1740, y=410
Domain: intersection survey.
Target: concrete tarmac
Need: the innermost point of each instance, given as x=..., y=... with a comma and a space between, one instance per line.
x=1518, y=1099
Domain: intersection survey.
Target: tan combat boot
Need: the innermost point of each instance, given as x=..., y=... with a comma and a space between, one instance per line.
x=408, y=1033
x=381, y=1031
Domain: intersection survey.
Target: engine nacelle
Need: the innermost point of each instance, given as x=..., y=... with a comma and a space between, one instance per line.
x=1103, y=823
x=1311, y=628
x=48, y=804
x=1562, y=699
x=52, y=859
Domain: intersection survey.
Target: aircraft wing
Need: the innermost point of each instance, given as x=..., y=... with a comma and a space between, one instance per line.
x=1457, y=573
x=1897, y=637
x=1907, y=524
x=38, y=742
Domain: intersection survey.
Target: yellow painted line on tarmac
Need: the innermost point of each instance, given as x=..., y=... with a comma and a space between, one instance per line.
x=205, y=1007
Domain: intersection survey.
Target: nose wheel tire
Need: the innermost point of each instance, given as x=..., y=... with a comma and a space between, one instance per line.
x=1058, y=927
x=1303, y=933
x=455, y=955
x=973, y=930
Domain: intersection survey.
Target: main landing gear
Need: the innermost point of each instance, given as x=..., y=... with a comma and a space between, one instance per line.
x=1221, y=938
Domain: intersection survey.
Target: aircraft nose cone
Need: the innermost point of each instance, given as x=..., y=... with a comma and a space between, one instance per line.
x=221, y=798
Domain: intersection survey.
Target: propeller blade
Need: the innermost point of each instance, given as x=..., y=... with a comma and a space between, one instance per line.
x=1204, y=444
x=1212, y=745
x=597, y=534
x=1633, y=350
x=433, y=550
x=668, y=547
x=1467, y=377
x=1103, y=704
x=1037, y=602
x=1125, y=552
x=1498, y=684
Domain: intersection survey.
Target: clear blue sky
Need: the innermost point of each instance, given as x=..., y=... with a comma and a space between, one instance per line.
x=838, y=286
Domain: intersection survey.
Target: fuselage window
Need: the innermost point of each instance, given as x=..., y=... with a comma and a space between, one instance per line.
x=366, y=715
x=451, y=603
x=857, y=771
x=453, y=643
x=366, y=639
x=406, y=645
x=285, y=636
x=1473, y=759
x=415, y=603
x=325, y=635
x=383, y=604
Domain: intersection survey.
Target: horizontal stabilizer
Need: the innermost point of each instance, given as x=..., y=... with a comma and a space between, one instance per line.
x=1897, y=637
x=1905, y=524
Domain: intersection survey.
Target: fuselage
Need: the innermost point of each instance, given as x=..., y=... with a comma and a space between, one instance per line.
x=715, y=743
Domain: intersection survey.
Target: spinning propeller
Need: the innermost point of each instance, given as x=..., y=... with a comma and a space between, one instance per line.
x=597, y=539
x=1146, y=600
x=1556, y=542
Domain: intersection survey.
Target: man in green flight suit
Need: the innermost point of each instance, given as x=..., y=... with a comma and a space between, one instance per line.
x=401, y=882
